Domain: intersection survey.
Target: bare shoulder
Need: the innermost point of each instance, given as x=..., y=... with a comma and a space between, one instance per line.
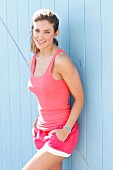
x=65, y=67
x=63, y=60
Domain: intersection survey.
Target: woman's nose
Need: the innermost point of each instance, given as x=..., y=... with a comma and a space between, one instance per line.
x=40, y=35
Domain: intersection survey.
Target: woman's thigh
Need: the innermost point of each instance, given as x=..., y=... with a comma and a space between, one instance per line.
x=43, y=160
x=58, y=167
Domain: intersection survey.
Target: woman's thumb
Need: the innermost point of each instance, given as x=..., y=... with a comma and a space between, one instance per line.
x=51, y=132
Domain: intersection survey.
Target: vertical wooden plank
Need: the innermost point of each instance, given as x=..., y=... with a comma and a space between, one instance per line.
x=3, y=10
x=23, y=28
x=14, y=105
x=107, y=82
x=2, y=17
x=5, y=124
x=1, y=149
x=47, y=4
x=62, y=13
x=14, y=85
x=77, y=53
x=93, y=83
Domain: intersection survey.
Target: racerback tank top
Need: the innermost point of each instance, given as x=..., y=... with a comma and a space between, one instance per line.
x=53, y=97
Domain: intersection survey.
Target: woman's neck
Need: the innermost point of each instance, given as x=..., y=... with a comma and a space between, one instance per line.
x=46, y=52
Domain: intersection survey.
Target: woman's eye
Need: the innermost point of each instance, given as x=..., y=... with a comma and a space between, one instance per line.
x=47, y=32
x=37, y=30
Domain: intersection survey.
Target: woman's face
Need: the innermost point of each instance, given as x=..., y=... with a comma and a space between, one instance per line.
x=43, y=34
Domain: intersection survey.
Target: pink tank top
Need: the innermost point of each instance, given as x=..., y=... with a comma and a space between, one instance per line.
x=53, y=97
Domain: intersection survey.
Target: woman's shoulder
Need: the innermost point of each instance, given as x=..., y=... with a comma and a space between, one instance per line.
x=63, y=64
x=62, y=58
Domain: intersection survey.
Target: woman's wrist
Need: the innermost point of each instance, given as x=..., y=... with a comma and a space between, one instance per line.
x=67, y=128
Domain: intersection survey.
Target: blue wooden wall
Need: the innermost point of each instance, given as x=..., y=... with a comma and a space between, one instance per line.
x=86, y=34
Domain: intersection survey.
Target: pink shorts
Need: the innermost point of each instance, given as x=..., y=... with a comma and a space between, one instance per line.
x=55, y=146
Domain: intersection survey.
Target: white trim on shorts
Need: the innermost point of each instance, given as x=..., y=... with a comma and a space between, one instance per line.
x=54, y=151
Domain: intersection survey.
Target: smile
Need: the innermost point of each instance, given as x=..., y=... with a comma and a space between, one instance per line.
x=41, y=42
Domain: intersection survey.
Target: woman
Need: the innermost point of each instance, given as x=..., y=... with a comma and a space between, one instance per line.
x=53, y=78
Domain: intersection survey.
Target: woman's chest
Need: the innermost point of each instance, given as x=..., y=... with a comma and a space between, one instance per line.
x=41, y=66
x=44, y=86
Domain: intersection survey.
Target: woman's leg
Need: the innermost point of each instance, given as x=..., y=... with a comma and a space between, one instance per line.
x=58, y=167
x=44, y=160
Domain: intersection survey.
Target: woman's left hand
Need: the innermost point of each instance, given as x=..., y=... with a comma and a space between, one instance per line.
x=61, y=134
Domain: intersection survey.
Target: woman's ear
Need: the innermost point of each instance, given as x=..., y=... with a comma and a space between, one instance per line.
x=56, y=34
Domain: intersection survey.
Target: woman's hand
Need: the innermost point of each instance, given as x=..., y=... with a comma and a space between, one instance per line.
x=61, y=134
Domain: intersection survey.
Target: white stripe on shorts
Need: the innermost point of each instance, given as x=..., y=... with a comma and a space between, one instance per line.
x=54, y=151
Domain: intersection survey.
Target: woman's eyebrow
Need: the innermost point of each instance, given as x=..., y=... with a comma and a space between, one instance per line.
x=43, y=30
x=47, y=30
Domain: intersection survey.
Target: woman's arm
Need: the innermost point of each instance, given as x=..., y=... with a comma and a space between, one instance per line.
x=69, y=73
x=71, y=76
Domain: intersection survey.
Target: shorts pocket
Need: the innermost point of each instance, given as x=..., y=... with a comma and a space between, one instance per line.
x=56, y=138
x=39, y=140
x=55, y=142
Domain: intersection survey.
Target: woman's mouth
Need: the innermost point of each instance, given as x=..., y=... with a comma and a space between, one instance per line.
x=41, y=42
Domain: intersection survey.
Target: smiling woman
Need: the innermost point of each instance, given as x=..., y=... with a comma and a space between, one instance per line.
x=43, y=34
x=55, y=131
x=39, y=29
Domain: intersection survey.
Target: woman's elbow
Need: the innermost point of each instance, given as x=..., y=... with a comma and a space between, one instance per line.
x=80, y=99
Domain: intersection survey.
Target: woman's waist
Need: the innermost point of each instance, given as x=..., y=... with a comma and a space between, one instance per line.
x=52, y=114
x=50, y=124
x=46, y=120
